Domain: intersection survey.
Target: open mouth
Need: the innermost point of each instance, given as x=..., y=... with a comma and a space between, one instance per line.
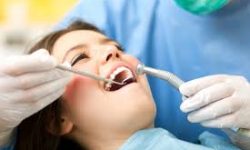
x=122, y=75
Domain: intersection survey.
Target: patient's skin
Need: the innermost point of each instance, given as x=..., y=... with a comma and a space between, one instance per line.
x=94, y=117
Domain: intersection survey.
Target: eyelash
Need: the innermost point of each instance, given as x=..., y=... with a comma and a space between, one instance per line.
x=78, y=58
x=120, y=48
x=83, y=56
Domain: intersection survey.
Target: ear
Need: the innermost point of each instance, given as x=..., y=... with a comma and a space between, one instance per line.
x=66, y=125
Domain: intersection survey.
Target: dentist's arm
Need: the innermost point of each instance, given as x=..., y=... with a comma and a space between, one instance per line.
x=27, y=84
x=218, y=101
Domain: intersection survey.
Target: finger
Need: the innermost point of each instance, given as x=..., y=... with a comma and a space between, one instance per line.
x=25, y=110
x=30, y=80
x=214, y=110
x=27, y=81
x=34, y=94
x=227, y=121
x=17, y=65
x=206, y=96
x=40, y=52
x=194, y=86
x=45, y=101
x=6, y=83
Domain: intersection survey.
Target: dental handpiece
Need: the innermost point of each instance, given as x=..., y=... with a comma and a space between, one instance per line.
x=87, y=74
x=165, y=75
x=177, y=82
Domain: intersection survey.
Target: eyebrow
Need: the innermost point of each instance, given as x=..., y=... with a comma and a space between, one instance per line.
x=80, y=46
x=72, y=49
x=106, y=40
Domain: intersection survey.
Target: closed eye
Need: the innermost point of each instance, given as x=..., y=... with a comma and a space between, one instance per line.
x=119, y=47
x=77, y=58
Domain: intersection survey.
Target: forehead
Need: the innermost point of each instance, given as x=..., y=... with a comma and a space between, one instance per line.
x=74, y=38
x=79, y=37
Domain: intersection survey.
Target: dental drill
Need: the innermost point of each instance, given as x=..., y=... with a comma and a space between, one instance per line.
x=165, y=75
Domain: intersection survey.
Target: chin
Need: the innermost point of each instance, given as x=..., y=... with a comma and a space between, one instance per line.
x=139, y=114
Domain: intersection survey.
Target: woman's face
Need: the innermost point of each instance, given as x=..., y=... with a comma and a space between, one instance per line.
x=93, y=106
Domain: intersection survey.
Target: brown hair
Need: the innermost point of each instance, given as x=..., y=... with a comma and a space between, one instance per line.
x=32, y=133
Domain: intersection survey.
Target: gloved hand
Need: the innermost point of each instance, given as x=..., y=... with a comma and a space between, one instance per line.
x=218, y=101
x=27, y=84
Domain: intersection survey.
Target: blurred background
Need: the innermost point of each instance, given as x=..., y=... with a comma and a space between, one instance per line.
x=24, y=21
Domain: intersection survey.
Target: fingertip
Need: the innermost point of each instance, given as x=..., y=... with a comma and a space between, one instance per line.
x=44, y=57
x=185, y=89
x=67, y=64
x=189, y=118
x=185, y=109
x=48, y=61
x=40, y=52
x=182, y=108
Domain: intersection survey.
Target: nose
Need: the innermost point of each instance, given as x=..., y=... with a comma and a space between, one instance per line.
x=109, y=53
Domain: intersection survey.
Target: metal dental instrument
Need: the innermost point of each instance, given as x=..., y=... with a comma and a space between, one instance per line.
x=175, y=81
x=87, y=74
x=165, y=75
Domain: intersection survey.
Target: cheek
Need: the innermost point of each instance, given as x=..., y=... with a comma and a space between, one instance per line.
x=79, y=84
x=75, y=88
x=131, y=60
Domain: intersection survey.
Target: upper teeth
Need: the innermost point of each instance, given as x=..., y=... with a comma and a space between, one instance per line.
x=119, y=70
x=116, y=72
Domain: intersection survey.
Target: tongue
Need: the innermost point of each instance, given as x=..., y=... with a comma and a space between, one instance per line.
x=125, y=82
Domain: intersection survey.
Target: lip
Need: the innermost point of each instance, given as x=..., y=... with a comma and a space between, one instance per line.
x=117, y=65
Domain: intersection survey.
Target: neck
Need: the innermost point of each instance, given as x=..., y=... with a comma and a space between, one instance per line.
x=104, y=140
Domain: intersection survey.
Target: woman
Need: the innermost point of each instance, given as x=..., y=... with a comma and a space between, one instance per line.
x=91, y=114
